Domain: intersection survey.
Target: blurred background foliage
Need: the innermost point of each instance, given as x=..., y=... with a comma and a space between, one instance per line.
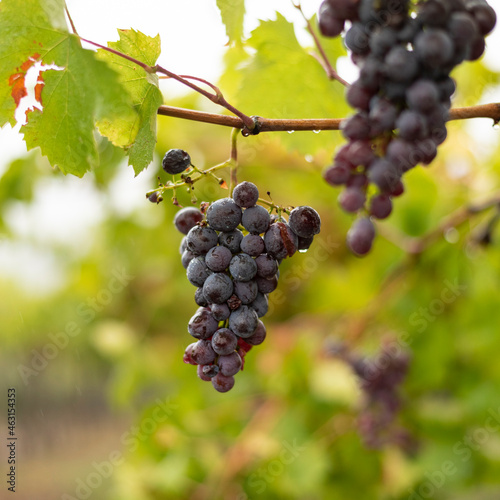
x=94, y=266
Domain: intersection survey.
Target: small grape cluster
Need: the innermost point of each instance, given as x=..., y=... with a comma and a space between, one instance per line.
x=405, y=52
x=380, y=379
x=234, y=270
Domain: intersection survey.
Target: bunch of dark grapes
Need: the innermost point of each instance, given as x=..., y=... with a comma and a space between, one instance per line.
x=405, y=52
x=380, y=379
x=232, y=256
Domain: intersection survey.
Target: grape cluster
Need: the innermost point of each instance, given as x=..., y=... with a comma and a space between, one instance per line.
x=380, y=379
x=405, y=52
x=232, y=256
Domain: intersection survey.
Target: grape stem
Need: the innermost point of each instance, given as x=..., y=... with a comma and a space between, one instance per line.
x=491, y=110
x=70, y=19
x=233, y=161
x=323, y=59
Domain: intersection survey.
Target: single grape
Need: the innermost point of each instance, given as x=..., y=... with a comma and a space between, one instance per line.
x=187, y=355
x=242, y=267
x=280, y=241
x=199, y=298
x=304, y=221
x=209, y=371
x=218, y=258
x=246, y=291
x=176, y=161
x=259, y=336
x=200, y=239
x=337, y=174
x=230, y=364
x=231, y=240
x=411, y=126
x=329, y=24
x=202, y=375
x=305, y=243
x=197, y=271
x=381, y=206
x=356, y=127
x=267, y=267
x=224, y=341
x=422, y=96
x=222, y=383
x=260, y=305
x=218, y=287
x=155, y=197
x=434, y=48
x=243, y=321
x=361, y=153
x=187, y=218
x=401, y=65
x=360, y=236
x=267, y=285
x=202, y=352
x=383, y=174
x=359, y=96
x=224, y=215
x=252, y=244
x=220, y=312
x=202, y=325
x=186, y=258
x=245, y=194
x=256, y=219
x=352, y=199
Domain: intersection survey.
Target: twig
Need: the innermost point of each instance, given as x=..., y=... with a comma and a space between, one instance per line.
x=325, y=62
x=233, y=180
x=272, y=125
x=70, y=20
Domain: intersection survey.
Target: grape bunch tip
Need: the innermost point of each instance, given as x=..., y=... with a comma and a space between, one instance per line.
x=405, y=52
x=232, y=255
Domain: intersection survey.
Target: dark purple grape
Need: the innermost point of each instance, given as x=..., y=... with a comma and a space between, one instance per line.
x=243, y=321
x=155, y=197
x=220, y=312
x=434, y=48
x=217, y=288
x=187, y=355
x=434, y=12
x=267, y=285
x=337, y=174
x=361, y=235
x=267, y=267
x=245, y=194
x=304, y=221
x=203, y=376
x=197, y=271
x=224, y=341
x=280, y=241
x=260, y=305
x=361, y=153
x=423, y=96
x=224, y=215
x=256, y=219
x=176, y=161
x=246, y=291
x=199, y=298
x=222, y=383
x=427, y=151
x=462, y=28
x=356, y=39
x=202, y=325
x=345, y=9
x=382, y=115
x=202, y=352
x=253, y=245
x=370, y=74
x=382, y=40
x=259, y=336
x=230, y=364
x=201, y=239
x=356, y=128
x=411, y=126
x=186, y=258
x=383, y=174
x=484, y=15
x=401, y=65
x=352, y=199
x=218, y=258
x=329, y=24
x=187, y=218
x=243, y=267
x=231, y=240
x=304, y=243
x=358, y=96
x=380, y=206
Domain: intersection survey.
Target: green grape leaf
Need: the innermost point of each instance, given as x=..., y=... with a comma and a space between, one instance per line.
x=72, y=97
x=283, y=80
x=143, y=88
x=233, y=14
